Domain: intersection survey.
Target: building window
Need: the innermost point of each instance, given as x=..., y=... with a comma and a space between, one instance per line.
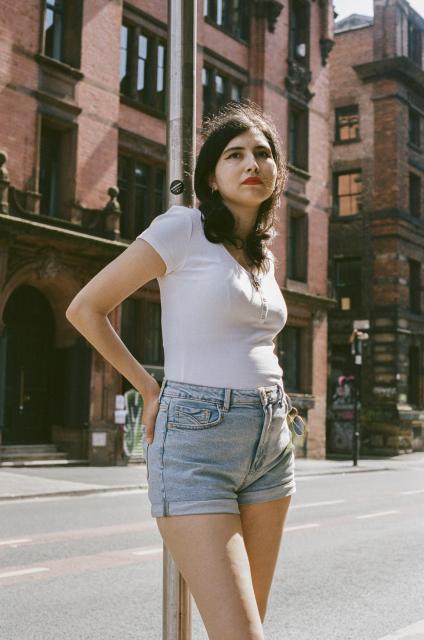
x=414, y=286
x=152, y=334
x=414, y=128
x=49, y=187
x=297, y=250
x=414, y=195
x=298, y=137
x=347, y=194
x=414, y=376
x=141, y=194
x=231, y=15
x=415, y=46
x=56, y=167
x=143, y=67
x=141, y=330
x=62, y=31
x=347, y=124
x=53, y=29
x=299, y=31
x=290, y=348
x=348, y=284
x=218, y=90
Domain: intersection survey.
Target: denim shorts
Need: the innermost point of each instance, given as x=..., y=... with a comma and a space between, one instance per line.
x=215, y=448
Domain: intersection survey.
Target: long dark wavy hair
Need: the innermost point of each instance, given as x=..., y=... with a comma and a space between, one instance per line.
x=218, y=221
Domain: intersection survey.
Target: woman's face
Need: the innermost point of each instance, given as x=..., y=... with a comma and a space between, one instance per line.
x=252, y=158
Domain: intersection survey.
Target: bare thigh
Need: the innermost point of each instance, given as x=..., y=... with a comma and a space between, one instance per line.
x=210, y=553
x=263, y=525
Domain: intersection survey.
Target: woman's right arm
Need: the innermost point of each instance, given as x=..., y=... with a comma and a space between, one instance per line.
x=88, y=312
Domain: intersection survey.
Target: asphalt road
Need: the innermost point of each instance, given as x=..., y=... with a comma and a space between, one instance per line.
x=351, y=565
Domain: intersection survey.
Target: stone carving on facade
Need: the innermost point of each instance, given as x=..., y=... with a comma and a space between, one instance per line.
x=48, y=265
x=325, y=46
x=298, y=79
x=112, y=214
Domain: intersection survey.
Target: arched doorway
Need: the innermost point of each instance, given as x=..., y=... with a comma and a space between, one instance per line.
x=28, y=346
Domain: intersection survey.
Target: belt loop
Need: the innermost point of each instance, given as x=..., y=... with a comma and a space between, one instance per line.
x=227, y=399
x=162, y=388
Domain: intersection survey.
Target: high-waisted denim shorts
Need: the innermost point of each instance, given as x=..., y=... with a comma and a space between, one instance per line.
x=215, y=448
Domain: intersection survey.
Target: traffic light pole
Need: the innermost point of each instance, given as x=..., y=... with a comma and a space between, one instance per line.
x=181, y=148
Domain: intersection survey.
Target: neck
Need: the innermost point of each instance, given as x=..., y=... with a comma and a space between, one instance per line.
x=245, y=219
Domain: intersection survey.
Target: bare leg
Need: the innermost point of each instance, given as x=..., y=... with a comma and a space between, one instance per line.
x=263, y=525
x=210, y=553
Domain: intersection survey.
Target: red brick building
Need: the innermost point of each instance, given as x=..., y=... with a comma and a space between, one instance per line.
x=83, y=107
x=377, y=226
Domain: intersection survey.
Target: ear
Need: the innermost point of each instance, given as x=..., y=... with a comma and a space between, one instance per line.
x=211, y=181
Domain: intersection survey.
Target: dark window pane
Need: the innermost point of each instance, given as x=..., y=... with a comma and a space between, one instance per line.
x=415, y=46
x=141, y=196
x=49, y=170
x=160, y=203
x=297, y=247
x=414, y=195
x=299, y=30
x=415, y=286
x=152, y=334
x=348, y=284
x=414, y=128
x=289, y=346
x=298, y=137
x=414, y=376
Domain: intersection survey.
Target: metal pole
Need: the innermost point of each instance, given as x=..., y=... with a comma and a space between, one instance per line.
x=181, y=147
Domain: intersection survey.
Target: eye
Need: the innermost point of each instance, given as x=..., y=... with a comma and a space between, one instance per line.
x=235, y=153
x=266, y=153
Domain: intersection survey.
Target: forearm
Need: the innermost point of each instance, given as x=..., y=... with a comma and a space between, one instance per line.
x=97, y=329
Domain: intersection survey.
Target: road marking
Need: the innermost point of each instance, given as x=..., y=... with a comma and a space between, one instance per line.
x=14, y=542
x=146, y=552
x=377, y=515
x=412, y=632
x=301, y=526
x=410, y=493
x=23, y=572
x=316, y=504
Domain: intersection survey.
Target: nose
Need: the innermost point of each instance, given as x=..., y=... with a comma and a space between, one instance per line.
x=252, y=163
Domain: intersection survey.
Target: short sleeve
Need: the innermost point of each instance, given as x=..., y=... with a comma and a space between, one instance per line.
x=169, y=234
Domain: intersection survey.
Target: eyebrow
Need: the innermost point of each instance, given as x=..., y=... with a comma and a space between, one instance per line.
x=258, y=146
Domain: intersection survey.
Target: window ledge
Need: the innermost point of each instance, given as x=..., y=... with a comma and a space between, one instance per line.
x=226, y=31
x=298, y=171
x=335, y=217
x=52, y=63
x=145, y=108
x=342, y=142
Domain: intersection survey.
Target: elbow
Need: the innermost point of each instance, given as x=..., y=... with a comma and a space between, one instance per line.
x=74, y=311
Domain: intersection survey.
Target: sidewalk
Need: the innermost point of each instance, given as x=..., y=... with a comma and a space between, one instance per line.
x=33, y=482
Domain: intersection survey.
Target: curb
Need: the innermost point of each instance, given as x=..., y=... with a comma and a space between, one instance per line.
x=76, y=492
x=132, y=487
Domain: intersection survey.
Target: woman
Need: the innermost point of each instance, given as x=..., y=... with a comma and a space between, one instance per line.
x=220, y=459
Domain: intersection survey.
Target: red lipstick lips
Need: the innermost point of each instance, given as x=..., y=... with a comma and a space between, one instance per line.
x=252, y=181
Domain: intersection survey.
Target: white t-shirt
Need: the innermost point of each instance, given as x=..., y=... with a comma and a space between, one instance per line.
x=217, y=328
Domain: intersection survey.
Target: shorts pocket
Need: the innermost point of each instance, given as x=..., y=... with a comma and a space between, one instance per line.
x=188, y=413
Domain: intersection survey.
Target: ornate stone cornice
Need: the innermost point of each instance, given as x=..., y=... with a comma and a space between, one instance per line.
x=325, y=46
x=269, y=9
